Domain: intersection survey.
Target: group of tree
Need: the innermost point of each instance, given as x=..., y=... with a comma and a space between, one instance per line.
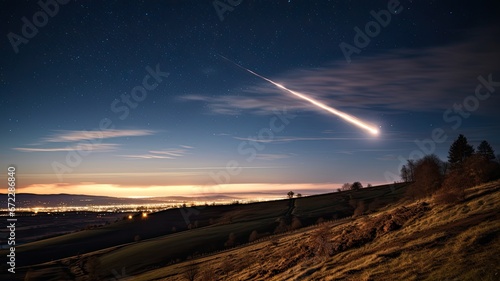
x=354, y=186
x=290, y=195
x=466, y=167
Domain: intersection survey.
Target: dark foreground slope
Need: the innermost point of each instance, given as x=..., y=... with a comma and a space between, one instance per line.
x=410, y=241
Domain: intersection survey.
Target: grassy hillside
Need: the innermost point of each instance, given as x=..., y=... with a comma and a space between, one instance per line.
x=114, y=244
x=417, y=241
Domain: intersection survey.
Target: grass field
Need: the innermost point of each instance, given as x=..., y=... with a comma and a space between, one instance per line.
x=65, y=257
x=435, y=242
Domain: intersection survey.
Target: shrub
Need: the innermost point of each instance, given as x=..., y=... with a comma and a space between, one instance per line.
x=449, y=195
x=479, y=169
x=296, y=224
x=191, y=271
x=253, y=236
x=353, y=203
x=320, y=220
x=208, y=274
x=360, y=208
x=321, y=244
x=475, y=170
x=282, y=227
x=275, y=241
x=374, y=205
x=428, y=177
x=227, y=265
x=231, y=240
x=137, y=238
x=93, y=266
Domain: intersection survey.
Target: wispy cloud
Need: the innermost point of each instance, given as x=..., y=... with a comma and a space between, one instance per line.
x=75, y=136
x=102, y=147
x=211, y=168
x=294, y=139
x=145, y=156
x=171, y=153
x=82, y=140
x=272, y=156
x=388, y=157
x=424, y=79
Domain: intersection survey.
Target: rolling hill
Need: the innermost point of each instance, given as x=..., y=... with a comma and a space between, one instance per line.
x=387, y=230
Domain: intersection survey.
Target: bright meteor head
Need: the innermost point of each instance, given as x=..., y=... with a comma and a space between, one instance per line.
x=374, y=131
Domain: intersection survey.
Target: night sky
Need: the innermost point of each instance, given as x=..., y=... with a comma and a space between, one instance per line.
x=133, y=98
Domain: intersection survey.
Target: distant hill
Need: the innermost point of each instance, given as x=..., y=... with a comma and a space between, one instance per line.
x=30, y=200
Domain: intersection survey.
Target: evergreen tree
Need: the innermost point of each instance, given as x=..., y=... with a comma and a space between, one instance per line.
x=484, y=149
x=459, y=151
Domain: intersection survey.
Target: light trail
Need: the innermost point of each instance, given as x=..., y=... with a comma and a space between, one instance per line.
x=349, y=118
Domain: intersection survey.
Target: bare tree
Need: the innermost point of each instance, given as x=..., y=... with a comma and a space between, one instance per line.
x=404, y=174
x=428, y=176
x=346, y=186
x=290, y=194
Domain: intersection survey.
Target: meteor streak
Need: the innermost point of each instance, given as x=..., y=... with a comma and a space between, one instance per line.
x=345, y=116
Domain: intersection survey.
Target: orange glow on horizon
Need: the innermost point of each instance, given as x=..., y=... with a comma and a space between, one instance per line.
x=177, y=190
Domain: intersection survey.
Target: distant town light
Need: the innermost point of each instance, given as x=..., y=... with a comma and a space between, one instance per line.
x=144, y=215
x=129, y=217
